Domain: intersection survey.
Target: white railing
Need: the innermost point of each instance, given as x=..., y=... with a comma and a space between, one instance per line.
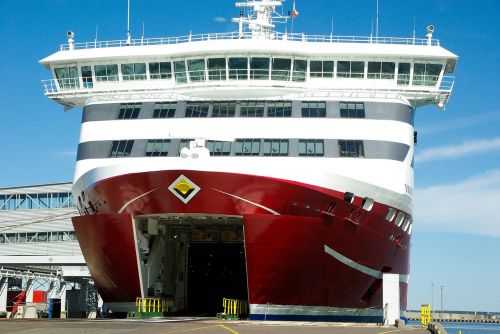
x=81, y=85
x=296, y=37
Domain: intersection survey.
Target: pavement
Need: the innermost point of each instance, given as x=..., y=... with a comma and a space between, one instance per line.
x=191, y=325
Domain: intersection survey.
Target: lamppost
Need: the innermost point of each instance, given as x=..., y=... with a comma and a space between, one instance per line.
x=441, y=314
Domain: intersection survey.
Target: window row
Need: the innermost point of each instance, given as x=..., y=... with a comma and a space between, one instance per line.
x=246, y=109
x=12, y=238
x=36, y=201
x=244, y=68
x=241, y=147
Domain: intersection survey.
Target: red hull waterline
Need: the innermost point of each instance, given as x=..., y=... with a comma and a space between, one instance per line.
x=310, y=254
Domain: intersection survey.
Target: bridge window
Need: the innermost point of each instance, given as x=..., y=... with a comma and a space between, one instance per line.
x=106, y=72
x=403, y=73
x=162, y=70
x=281, y=69
x=381, y=70
x=157, y=147
x=197, y=109
x=196, y=69
x=224, y=109
x=87, y=77
x=129, y=110
x=252, y=109
x=135, y=71
x=275, y=147
x=259, y=68
x=311, y=147
x=219, y=148
x=321, y=69
x=180, y=71
x=299, y=70
x=350, y=69
x=426, y=74
x=121, y=148
x=164, y=110
x=351, y=148
x=67, y=77
x=352, y=110
x=279, y=109
x=216, y=69
x=313, y=109
x=247, y=147
x=238, y=68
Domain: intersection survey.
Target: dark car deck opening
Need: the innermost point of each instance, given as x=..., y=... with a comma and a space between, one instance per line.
x=216, y=270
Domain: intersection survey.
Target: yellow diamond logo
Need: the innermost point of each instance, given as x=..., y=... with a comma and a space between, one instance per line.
x=184, y=189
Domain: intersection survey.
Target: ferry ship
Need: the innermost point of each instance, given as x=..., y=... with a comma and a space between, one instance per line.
x=267, y=166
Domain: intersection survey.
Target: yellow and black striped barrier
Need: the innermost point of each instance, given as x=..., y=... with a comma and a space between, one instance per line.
x=234, y=309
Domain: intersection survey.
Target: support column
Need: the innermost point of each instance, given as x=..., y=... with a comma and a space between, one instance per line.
x=62, y=295
x=4, y=287
x=390, y=298
x=29, y=290
x=52, y=292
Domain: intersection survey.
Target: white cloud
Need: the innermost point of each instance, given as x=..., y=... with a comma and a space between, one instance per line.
x=456, y=151
x=470, y=206
x=219, y=19
x=461, y=123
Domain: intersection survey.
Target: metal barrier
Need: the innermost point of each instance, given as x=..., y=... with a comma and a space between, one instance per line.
x=154, y=305
x=426, y=315
x=234, y=309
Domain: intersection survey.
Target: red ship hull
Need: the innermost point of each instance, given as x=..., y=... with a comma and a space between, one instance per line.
x=310, y=254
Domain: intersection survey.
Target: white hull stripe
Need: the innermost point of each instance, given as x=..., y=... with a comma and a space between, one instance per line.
x=272, y=309
x=364, y=269
x=250, y=202
x=134, y=199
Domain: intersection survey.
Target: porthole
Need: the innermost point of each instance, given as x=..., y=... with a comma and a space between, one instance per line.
x=399, y=219
x=391, y=213
x=367, y=204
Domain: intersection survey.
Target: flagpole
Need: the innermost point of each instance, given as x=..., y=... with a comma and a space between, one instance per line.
x=293, y=16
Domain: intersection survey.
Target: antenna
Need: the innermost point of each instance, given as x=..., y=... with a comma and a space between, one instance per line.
x=414, y=34
x=96, y=31
x=331, y=30
x=376, y=28
x=128, y=23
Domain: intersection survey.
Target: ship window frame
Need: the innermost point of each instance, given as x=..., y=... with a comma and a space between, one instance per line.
x=275, y=147
x=220, y=72
x=252, y=145
x=311, y=147
x=129, y=111
x=301, y=74
x=322, y=68
x=184, y=143
x=352, y=73
x=313, y=108
x=222, y=109
x=164, y=109
x=390, y=214
x=279, y=109
x=241, y=73
x=161, y=70
x=426, y=74
x=404, y=72
x=281, y=69
x=350, y=148
x=197, y=109
x=252, y=108
x=196, y=69
x=133, y=71
x=158, y=147
x=260, y=68
x=110, y=72
x=382, y=70
x=180, y=71
x=87, y=80
x=67, y=77
x=219, y=148
x=121, y=148
x=352, y=109
x=399, y=218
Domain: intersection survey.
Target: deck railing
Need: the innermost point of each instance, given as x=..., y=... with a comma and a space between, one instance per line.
x=295, y=37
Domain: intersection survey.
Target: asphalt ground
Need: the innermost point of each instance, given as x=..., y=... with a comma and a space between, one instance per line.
x=182, y=325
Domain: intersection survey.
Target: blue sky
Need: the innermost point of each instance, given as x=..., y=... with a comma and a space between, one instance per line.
x=456, y=240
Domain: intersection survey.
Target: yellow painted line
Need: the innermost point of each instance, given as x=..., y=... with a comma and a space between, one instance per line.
x=191, y=329
x=229, y=329
x=394, y=330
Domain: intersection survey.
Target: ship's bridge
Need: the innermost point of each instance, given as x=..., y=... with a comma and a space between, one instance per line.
x=279, y=64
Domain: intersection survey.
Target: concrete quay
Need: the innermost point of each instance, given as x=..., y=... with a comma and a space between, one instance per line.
x=454, y=317
x=183, y=325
